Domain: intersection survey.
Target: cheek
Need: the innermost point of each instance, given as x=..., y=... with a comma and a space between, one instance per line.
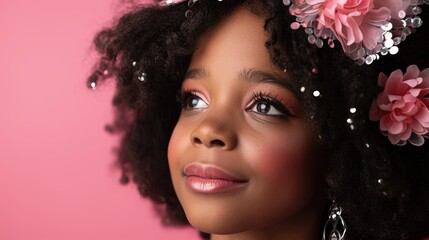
x=281, y=161
x=176, y=147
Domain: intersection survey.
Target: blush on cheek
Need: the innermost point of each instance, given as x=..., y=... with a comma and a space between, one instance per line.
x=281, y=163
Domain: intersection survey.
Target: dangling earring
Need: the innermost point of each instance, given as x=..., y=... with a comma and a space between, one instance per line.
x=335, y=224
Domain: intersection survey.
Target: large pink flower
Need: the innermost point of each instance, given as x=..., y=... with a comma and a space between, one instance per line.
x=403, y=107
x=354, y=21
x=355, y=24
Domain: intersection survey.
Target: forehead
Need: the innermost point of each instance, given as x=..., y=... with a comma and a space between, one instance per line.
x=237, y=42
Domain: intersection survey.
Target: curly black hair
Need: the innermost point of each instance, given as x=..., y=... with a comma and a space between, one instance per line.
x=382, y=188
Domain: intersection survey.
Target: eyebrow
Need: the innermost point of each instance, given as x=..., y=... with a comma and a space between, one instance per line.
x=251, y=75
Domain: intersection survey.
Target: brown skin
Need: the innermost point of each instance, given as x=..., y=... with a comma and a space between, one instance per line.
x=222, y=125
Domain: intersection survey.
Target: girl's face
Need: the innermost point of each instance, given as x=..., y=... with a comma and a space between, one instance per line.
x=241, y=156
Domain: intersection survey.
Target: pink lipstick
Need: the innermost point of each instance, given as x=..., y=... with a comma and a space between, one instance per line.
x=209, y=179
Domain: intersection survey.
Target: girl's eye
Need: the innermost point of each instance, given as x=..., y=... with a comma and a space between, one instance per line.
x=265, y=104
x=190, y=100
x=265, y=108
x=196, y=102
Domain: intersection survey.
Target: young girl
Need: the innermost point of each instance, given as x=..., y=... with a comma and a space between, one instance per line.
x=275, y=119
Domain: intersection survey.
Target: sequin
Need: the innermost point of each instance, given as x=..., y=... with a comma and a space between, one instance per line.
x=311, y=39
x=191, y=3
x=142, y=77
x=416, y=10
x=188, y=14
x=314, y=70
x=369, y=59
x=319, y=43
x=384, y=51
x=331, y=43
x=302, y=89
x=387, y=26
x=316, y=93
x=397, y=40
x=402, y=14
x=388, y=43
x=295, y=26
x=309, y=31
x=417, y=22
x=352, y=110
x=394, y=50
x=361, y=52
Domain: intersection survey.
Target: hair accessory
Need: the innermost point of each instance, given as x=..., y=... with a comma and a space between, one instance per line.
x=335, y=225
x=142, y=77
x=403, y=106
x=364, y=28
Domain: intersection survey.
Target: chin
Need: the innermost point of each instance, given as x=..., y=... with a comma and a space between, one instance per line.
x=218, y=222
x=224, y=227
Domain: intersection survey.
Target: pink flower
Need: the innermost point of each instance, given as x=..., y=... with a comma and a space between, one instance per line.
x=403, y=106
x=356, y=24
x=354, y=21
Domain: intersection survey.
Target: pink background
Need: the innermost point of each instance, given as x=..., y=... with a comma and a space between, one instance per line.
x=56, y=175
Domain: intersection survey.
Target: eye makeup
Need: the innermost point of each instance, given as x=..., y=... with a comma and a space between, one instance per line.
x=268, y=101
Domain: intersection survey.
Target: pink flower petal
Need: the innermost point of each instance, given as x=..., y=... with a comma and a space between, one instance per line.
x=371, y=34
x=423, y=117
x=382, y=79
x=398, y=117
x=406, y=134
x=394, y=139
x=412, y=72
x=417, y=127
x=425, y=75
x=413, y=82
x=385, y=123
x=424, y=93
x=415, y=92
x=393, y=98
x=374, y=112
x=410, y=109
x=371, y=26
x=393, y=81
x=394, y=5
x=396, y=127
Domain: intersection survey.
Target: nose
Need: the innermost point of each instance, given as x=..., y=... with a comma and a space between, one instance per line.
x=215, y=131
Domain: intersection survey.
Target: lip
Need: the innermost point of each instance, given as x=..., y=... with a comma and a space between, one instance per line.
x=209, y=179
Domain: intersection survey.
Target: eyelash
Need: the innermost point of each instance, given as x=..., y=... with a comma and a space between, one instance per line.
x=270, y=100
x=257, y=97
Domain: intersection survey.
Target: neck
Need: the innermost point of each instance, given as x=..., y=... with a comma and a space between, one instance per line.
x=304, y=225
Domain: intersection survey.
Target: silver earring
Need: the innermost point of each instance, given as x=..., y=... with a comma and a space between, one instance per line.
x=335, y=225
